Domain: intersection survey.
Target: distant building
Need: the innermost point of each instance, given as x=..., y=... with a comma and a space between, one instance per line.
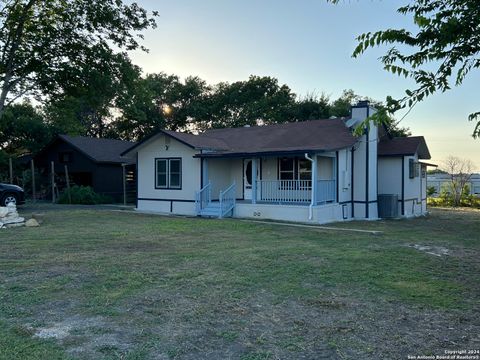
x=91, y=162
x=442, y=180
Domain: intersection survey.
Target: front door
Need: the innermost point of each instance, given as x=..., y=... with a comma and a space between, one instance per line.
x=247, y=178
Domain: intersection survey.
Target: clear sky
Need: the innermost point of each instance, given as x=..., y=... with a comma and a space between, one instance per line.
x=306, y=44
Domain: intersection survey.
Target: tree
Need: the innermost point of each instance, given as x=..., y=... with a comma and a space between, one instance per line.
x=440, y=53
x=312, y=107
x=161, y=101
x=460, y=172
x=23, y=129
x=42, y=43
x=85, y=107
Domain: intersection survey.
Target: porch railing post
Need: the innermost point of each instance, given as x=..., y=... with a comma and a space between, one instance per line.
x=254, y=180
x=314, y=179
x=205, y=180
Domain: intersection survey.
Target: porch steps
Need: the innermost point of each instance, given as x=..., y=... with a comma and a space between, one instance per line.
x=211, y=210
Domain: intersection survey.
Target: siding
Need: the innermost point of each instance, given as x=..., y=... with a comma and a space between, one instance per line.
x=167, y=200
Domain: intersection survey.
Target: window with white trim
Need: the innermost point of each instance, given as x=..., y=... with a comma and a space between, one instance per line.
x=168, y=173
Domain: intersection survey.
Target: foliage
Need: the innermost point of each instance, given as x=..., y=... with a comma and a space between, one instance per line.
x=460, y=172
x=83, y=195
x=258, y=100
x=86, y=105
x=440, y=53
x=431, y=190
x=44, y=43
x=160, y=101
x=22, y=129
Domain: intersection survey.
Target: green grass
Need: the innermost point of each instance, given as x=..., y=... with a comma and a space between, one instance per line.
x=177, y=286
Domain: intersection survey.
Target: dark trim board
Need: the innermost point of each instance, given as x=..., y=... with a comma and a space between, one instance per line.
x=136, y=177
x=365, y=202
x=337, y=176
x=165, y=200
x=367, y=168
x=201, y=173
x=352, y=182
x=403, y=185
x=266, y=154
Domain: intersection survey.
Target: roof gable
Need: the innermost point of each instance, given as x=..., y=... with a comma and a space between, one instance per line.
x=404, y=146
x=96, y=149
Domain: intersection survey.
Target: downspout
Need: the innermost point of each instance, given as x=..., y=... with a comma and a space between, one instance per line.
x=312, y=203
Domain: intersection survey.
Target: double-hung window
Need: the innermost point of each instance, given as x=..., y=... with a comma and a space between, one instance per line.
x=295, y=169
x=168, y=173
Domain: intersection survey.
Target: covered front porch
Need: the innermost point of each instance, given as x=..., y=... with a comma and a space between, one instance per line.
x=293, y=180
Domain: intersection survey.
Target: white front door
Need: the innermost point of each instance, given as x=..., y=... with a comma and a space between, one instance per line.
x=247, y=178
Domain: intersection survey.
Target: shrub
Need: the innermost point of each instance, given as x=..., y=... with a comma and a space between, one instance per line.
x=431, y=190
x=83, y=195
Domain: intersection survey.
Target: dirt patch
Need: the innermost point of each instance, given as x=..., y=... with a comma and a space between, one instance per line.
x=432, y=250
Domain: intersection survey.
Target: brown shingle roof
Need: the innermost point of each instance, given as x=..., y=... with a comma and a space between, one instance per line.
x=314, y=135
x=404, y=146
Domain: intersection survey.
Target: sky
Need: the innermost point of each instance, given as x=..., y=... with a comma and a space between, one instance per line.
x=306, y=44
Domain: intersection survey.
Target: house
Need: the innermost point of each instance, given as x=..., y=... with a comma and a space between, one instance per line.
x=403, y=171
x=90, y=162
x=441, y=181
x=306, y=171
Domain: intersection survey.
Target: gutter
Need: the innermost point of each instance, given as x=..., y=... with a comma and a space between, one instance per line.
x=312, y=203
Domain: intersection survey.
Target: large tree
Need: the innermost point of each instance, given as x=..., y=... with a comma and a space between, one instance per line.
x=438, y=54
x=160, y=101
x=260, y=99
x=86, y=105
x=43, y=42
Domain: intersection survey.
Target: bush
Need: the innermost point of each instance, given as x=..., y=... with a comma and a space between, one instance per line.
x=83, y=195
x=431, y=190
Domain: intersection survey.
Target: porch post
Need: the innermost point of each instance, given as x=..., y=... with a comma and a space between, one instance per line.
x=205, y=171
x=254, y=180
x=314, y=179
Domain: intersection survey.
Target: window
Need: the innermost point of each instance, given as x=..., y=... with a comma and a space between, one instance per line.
x=413, y=169
x=295, y=169
x=304, y=169
x=168, y=174
x=287, y=169
x=65, y=157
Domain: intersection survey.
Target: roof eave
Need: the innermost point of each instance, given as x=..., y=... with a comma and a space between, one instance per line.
x=265, y=153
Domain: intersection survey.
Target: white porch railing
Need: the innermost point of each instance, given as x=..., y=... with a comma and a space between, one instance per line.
x=227, y=200
x=296, y=191
x=285, y=191
x=326, y=191
x=203, y=198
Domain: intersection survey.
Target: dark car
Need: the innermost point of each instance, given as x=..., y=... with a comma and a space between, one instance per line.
x=11, y=194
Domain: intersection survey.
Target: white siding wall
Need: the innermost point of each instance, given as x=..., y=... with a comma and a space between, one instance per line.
x=269, y=168
x=151, y=199
x=325, y=169
x=360, y=168
x=222, y=173
x=413, y=190
x=390, y=177
x=390, y=182
x=344, y=180
x=321, y=214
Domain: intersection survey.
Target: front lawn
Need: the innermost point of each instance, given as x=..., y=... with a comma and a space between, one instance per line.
x=95, y=284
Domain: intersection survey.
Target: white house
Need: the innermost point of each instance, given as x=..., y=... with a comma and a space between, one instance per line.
x=314, y=171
